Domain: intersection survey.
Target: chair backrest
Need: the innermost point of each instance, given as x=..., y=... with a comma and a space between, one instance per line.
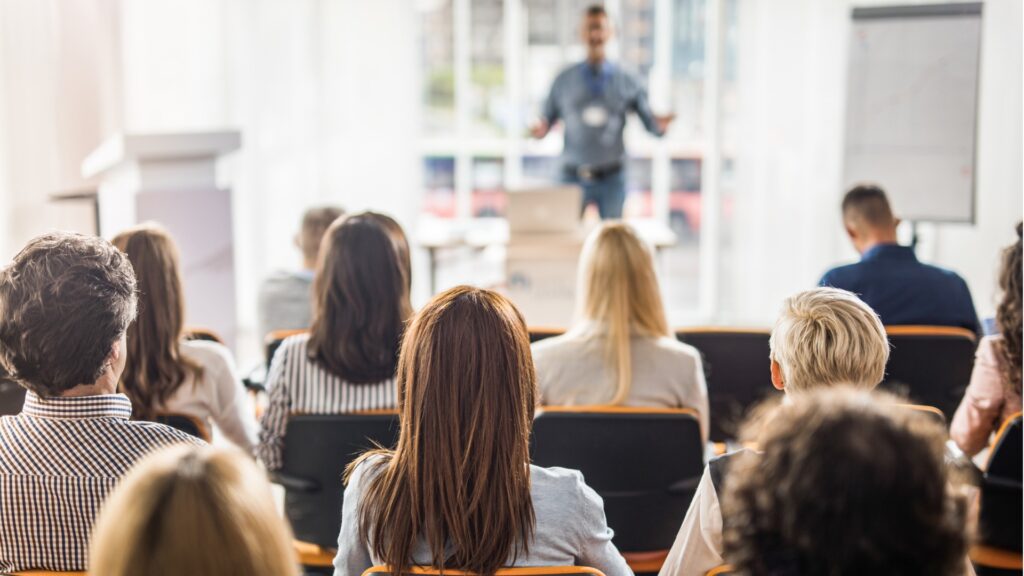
x=931, y=365
x=538, y=333
x=197, y=333
x=12, y=396
x=524, y=571
x=644, y=463
x=726, y=569
x=736, y=367
x=317, y=449
x=930, y=411
x=272, y=342
x=999, y=522
x=185, y=423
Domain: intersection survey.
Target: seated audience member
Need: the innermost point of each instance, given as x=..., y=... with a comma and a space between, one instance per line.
x=889, y=277
x=847, y=483
x=346, y=363
x=459, y=492
x=994, y=392
x=285, y=297
x=164, y=372
x=65, y=304
x=199, y=511
x=823, y=338
x=620, y=350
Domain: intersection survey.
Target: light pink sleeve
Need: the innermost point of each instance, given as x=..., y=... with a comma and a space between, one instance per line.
x=979, y=411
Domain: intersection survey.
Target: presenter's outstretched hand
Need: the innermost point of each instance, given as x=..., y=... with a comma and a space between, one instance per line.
x=664, y=121
x=540, y=129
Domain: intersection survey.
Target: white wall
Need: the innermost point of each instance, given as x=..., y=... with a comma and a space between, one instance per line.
x=974, y=250
x=59, y=80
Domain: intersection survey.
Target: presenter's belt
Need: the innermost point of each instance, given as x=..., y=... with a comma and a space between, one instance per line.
x=590, y=172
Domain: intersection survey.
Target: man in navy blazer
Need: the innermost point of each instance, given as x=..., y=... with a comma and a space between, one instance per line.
x=889, y=278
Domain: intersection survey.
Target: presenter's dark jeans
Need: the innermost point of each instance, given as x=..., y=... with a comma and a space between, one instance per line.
x=609, y=193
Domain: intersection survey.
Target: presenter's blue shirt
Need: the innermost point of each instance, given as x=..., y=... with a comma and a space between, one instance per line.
x=592, y=101
x=902, y=290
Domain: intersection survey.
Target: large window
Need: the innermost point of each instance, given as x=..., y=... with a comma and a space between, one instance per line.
x=487, y=68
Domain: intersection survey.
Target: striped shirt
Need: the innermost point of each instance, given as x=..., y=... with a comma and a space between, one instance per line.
x=298, y=385
x=59, y=458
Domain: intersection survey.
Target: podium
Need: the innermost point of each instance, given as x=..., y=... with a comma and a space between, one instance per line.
x=171, y=179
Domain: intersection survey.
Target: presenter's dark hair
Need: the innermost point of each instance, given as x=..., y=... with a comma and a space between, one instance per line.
x=360, y=300
x=155, y=368
x=868, y=204
x=848, y=483
x=459, y=477
x=1008, y=314
x=64, y=302
x=596, y=10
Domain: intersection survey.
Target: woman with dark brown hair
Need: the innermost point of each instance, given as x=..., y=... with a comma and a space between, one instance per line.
x=882, y=501
x=995, y=389
x=164, y=372
x=458, y=492
x=346, y=363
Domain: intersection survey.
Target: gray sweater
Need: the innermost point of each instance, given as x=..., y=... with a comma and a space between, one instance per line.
x=571, y=527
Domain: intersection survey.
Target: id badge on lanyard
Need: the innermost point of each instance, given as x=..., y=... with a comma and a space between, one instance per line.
x=595, y=112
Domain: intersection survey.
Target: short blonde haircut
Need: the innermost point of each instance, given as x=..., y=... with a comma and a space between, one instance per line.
x=617, y=296
x=202, y=511
x=827, y=336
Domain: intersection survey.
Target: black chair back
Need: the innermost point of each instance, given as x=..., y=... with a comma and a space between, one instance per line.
x=542, y=333
x=736, y=368
x=930, y=365
x=644, y=464
x=273, y=340
x=187, y=424
x=12, y=396
x=317, y=449
x=999, y=522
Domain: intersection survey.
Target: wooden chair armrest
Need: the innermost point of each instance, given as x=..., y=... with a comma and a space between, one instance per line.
x=313, y=554
x=996, y=557
x=642, y=562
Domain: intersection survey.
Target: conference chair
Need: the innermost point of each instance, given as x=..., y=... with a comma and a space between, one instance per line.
x=185, y=423
x=525, y=571
x=931, y=365
x=726, y=569
x=999, y=519
x=930, y=411
x=736, y=370
x=12, y=396
x=539, y=333
x=272, y=341
x=199, y=333
x=645, y=463
x=318, y=448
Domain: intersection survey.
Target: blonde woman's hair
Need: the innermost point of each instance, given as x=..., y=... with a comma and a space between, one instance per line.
x=202, y=511
x=828, y=336
x=617, y=295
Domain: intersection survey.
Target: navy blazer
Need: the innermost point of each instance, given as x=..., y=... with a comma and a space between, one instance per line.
x=902, y=290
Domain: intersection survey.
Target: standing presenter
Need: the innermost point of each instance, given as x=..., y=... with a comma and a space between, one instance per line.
x=592, y=99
